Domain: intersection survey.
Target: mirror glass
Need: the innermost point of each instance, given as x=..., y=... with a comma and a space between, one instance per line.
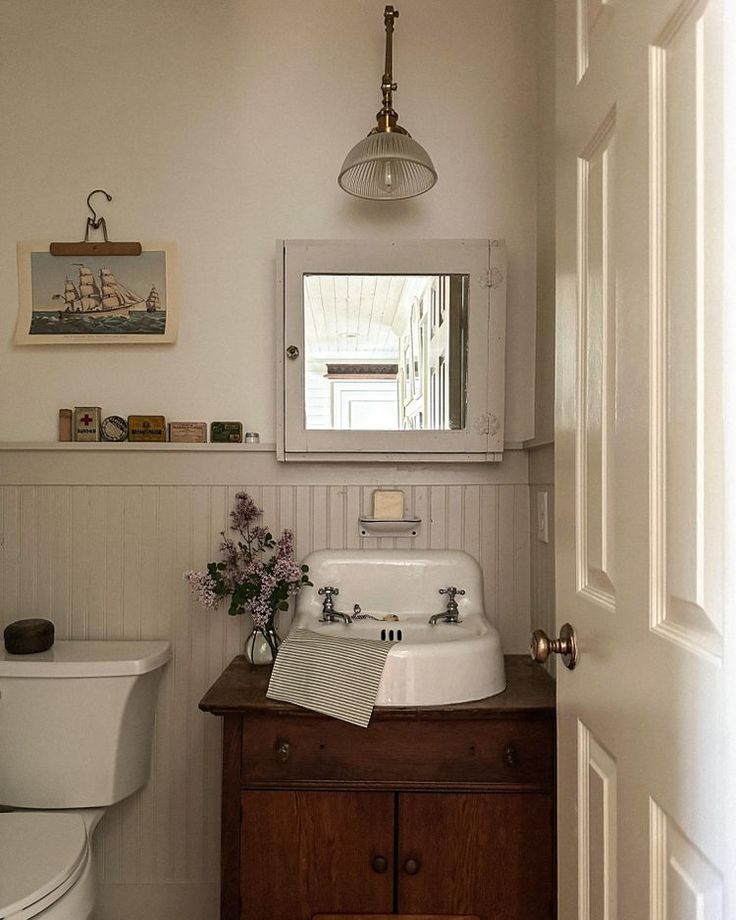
x=385, y=352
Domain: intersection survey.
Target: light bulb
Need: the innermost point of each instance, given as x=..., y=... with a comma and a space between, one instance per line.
x=387, y=176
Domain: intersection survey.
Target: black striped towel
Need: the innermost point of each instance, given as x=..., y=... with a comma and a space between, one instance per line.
x=335, y=676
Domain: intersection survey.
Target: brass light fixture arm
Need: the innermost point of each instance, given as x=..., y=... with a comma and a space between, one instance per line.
x=387, y=117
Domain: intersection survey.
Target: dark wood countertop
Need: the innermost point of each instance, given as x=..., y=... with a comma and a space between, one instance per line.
x=530, y=691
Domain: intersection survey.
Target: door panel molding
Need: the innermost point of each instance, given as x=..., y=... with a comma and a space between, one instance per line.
x=597, y=816
x=686, y=474
x=596, y=367
x=591, y=16
x=684, y=883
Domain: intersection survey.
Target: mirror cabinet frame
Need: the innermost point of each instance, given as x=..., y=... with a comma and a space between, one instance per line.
x=484, y=261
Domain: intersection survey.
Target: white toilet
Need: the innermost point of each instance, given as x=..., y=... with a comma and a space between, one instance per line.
x=76, y=725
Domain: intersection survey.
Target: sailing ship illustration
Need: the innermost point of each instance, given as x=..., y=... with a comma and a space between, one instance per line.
x=153, y=301
x=108, y=298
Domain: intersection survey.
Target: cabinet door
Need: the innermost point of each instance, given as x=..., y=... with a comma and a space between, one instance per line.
x=305, y=853
x=489, y=855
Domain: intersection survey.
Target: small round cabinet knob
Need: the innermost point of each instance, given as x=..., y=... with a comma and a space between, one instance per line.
x=412, y=866
x=510, y=757
x=292, y=352
x=380, y=864
x=283, y=751
x=541, y=646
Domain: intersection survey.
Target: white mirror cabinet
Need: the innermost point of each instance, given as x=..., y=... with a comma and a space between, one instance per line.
x=391, y=350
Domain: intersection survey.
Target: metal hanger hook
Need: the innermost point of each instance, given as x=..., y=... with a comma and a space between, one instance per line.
x=95, y=219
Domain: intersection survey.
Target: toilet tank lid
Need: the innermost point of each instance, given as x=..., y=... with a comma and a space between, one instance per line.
x=88, y=658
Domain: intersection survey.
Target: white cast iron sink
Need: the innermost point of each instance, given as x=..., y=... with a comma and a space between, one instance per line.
x=427, y=665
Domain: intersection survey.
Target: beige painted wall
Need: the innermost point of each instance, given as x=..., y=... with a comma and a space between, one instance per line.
x=222, y=126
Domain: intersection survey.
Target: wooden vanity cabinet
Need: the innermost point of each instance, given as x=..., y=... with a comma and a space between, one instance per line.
x=438, y=812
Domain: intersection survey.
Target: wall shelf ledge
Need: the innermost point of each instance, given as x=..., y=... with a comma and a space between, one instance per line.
x=123, y=446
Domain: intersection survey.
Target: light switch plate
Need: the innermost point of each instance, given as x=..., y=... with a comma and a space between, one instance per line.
x=542, y=517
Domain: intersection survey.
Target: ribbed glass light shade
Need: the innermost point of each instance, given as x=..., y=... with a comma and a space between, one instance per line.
x=387, y=164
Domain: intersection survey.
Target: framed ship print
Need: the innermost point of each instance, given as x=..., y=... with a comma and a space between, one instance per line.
x=97, y=299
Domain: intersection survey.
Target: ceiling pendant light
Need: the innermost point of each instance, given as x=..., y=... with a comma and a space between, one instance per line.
x=388, y=163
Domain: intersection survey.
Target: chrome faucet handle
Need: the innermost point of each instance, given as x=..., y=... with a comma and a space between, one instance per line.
x=328, y=592
x=452, y=591
x=329, y=614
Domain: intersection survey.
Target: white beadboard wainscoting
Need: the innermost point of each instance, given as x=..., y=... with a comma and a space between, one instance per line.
x=105, y=560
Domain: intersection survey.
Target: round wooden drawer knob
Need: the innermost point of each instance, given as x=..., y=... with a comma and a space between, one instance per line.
x=411, y=866
x=510, y=756
x=283, y=751
x=380, y=864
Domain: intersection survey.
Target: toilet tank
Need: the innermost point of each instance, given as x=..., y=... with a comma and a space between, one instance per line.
x=76, y=722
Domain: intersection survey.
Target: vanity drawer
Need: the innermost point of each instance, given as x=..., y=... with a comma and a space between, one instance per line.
x=413, y=752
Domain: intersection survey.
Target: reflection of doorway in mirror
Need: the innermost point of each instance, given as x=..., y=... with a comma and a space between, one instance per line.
x=385, y=352
x=365, y=405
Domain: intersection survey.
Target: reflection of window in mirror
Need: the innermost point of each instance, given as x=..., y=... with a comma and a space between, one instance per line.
x=385, y=352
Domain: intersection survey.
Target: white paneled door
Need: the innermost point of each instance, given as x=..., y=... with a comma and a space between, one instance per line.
x=645, y=506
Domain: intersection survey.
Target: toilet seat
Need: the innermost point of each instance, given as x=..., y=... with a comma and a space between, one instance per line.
x=42, y=854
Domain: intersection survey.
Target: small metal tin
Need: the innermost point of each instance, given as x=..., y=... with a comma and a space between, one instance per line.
x=252, y=437
x=87, y=423
x=65, y=424
x=188, y=432
x=226, y=432
x=114, y=428
x=146, y=428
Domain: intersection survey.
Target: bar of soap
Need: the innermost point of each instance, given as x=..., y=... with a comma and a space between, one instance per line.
x=388, y=504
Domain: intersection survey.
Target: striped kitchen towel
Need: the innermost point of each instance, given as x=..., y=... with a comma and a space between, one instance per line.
x=335, y=676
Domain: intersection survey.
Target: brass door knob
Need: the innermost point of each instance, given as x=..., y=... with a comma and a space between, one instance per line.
x=541, y=646
x=412, y=866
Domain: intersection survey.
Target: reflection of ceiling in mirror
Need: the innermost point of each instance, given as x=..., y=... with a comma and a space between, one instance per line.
x=349, y=315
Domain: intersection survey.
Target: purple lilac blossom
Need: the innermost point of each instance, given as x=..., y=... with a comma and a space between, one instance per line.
x=285, y=545
x=287, y=570
x=203, y=588
x=245, y=512
x=271, y=578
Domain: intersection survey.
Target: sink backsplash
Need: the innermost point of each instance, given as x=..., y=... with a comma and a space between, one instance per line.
x=397, y=581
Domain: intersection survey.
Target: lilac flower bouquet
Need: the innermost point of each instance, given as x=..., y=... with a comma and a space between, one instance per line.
x=257, y=572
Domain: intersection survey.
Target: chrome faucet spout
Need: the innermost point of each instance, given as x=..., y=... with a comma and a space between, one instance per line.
x=447, y=616
x=335, y=615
